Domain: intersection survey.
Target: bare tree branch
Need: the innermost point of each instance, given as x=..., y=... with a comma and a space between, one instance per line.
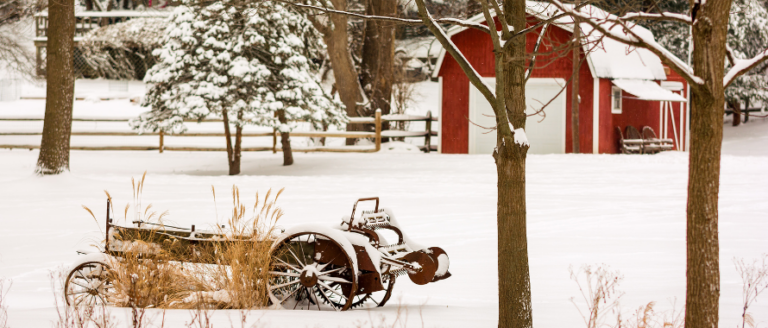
x=501, y=106
x=634, y=39
x=320, y=27
x=502, y=19
x=451, y=48
x=453, y=21
x=541, y=23
x=742, y=66
x=532, y=63
x=665, y=16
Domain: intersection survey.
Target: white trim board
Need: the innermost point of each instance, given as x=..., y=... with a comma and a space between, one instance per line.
x=440, y=115
x=595, y=115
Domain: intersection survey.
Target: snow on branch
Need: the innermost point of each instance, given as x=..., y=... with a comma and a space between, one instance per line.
x=505, y=28
x=665, y=16
x=633, y=38
x=452, y=21
x=451, y=48
x=552, y=18
x=460, y=22
x=741, y=66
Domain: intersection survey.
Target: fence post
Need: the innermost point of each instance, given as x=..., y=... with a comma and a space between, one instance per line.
x=378, y=129
x=428, y=138
x=161, y=142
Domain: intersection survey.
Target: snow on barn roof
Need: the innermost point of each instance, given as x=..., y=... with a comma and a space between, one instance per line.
x=648, y=90
x=610, y=59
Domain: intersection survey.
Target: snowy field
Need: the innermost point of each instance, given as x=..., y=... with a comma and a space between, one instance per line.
x=624, y=211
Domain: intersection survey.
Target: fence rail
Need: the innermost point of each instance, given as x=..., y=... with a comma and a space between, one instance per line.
x=377, y=135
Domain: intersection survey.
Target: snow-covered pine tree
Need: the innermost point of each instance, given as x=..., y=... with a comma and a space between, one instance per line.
x=242, y=62
x=747, y=36
x=293, y=90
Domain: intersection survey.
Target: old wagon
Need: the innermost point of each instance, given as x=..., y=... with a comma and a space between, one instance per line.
x=339, y=267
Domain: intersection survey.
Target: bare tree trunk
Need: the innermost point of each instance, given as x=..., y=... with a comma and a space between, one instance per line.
x=746, y=110
x=736, y=107
x=233, y=153
x=703, y=265
x=514, y=280
x=378, y=57
x=337, y=40
x=575, y=87
x=60, y=89
x=238, y=150
x=285, y=141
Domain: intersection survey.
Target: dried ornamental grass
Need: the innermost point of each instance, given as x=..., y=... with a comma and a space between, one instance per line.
x=238, y=278
x=227, y=268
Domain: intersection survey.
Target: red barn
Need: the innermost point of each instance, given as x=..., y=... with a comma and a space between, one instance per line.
x=618, y=86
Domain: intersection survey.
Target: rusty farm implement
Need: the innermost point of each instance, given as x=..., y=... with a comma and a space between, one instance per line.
x=312, y=266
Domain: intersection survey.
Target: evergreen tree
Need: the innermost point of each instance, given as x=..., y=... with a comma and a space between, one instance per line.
x=243, y=62
x=747, y=36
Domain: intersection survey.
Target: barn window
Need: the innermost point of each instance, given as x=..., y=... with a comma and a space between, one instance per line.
x=616, y=100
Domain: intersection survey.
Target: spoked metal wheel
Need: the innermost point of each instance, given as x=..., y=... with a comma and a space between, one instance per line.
x=311, y=271
x=378, y=298
x=88, y=284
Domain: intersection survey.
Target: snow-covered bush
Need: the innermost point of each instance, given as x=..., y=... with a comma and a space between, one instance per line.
x=243, y=62
x=120, y=51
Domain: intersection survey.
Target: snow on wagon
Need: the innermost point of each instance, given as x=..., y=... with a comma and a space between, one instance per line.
x=312, y=266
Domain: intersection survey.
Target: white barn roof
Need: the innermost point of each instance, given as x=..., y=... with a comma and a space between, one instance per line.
x=610, y=59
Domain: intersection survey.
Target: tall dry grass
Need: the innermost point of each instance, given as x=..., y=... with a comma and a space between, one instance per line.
x=3, y=306
x=227, y=269
x=239, y=269
x=598, y=286
x=400, y=320
x=754, y=278
x=83, y=315
x=647, y=316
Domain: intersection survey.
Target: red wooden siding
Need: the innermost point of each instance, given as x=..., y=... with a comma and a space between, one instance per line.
x=638, y=113
x=608, y=138
x=478, y=49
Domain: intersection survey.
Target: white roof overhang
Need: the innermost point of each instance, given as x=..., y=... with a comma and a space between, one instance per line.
x=647, y=90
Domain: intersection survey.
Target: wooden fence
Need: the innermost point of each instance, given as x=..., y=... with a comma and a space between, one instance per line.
x=377, y=135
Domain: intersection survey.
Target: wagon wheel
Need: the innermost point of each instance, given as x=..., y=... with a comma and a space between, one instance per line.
x=88, y=284
x=381, y=297
x=307, y=265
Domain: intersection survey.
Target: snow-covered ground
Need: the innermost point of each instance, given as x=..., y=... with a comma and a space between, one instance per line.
x=621, y=210
x=749, y=139
x=624, y=211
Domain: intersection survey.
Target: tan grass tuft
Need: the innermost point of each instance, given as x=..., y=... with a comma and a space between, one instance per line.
x=141, y=184
x=3, y=303
x=599, y=292
x=147, y=209
x=150, y=272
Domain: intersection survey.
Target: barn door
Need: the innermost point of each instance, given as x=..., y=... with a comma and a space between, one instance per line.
x=546, y=133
